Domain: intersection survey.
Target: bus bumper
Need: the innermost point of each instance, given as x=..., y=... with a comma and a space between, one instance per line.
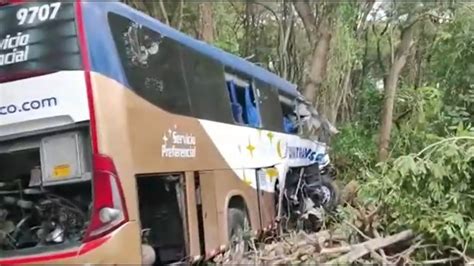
x=120, y=247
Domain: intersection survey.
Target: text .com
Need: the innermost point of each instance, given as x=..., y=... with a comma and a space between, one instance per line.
x=28, y=106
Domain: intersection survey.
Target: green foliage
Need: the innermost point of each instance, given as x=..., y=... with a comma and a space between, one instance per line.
x=344, y=55
x=369, y=105
x=353, y=151
x=228, y=34
x=417, y=119
x=430, y=191
x=422, y=104
x=453, y=68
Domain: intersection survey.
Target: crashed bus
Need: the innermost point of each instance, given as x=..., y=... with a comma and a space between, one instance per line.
x=120, y=136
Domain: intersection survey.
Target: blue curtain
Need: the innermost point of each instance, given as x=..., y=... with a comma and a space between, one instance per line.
x=237, y=111
x=253, y=115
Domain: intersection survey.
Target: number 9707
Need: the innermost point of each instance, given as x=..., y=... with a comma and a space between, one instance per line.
x=42, y=13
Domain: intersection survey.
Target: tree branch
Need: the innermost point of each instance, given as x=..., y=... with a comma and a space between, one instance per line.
x=365, y=248
x=178, y=15
x=309, y=20
x=363, y=21
x=163, y=12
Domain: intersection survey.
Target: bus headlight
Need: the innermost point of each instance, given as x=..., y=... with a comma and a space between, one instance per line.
x=323, y=161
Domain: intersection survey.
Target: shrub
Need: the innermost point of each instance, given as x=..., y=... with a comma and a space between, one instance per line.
x=431, y=192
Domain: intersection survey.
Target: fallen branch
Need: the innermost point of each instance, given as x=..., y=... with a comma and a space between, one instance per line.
x=341, y=249
x=358, y=230
x=321, y=237
x=441, y=261
x=382, y=252
x=365, y=248
x=381, y=259
x=467, y=260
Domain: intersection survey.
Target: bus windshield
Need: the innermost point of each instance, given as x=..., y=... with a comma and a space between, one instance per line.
x=37, y=38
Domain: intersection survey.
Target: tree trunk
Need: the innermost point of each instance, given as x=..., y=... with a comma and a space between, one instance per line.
x=390, y=89
x=319, y=30
x=340, y=98
x=252, y=10
x=286, y=26
x=309, y=21
x=319, y=60
x=340, y=109
x=206, y=22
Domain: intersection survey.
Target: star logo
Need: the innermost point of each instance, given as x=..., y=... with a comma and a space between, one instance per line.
x=250, y=148
x=270, y=136
x=165, y=139
x=247, y=180
x=271, y=173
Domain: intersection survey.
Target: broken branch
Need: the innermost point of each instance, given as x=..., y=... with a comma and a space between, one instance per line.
x=363, y=249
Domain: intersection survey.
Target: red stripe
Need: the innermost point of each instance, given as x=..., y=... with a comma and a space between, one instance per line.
x=87, y=74
x=37, y=259
x=12, y=2
x=93, y=245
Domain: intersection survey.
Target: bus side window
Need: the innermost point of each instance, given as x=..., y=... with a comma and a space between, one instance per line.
x=151, y=64
x=289, y=116
x=243, y=103
x=289, y=125
x=206, y=86
x=270, y=108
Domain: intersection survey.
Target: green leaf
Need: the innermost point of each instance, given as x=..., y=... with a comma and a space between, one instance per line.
x=406, y=164
x=470, y=229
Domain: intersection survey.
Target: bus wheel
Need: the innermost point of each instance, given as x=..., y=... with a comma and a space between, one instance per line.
x=238, y=227
x=330, y=193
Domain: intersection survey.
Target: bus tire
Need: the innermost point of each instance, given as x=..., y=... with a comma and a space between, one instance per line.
x=237, y=225
x=330, y=187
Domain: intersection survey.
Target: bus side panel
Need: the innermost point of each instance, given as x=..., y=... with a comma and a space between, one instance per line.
x=229, y=185
x=132, y=131
x=113, y=135
x=267, y=208
x=210, y=212
x=192, y=216
x=113, y=140
x=217, y=189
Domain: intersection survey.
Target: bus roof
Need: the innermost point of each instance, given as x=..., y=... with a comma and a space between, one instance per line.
x=227, y=59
